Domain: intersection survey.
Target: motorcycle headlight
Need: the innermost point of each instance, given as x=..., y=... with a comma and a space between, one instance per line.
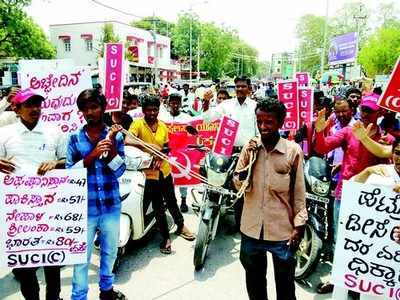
x=319, y=187
x=214, y=178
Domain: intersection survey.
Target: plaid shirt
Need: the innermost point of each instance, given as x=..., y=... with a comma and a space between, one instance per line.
x=102, y=178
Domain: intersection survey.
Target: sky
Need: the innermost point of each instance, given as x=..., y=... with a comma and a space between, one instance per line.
x=267, y=25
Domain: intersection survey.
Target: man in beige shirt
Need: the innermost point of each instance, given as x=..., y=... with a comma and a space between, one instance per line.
x=274, y=211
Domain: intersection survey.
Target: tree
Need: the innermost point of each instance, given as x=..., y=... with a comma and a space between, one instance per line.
x=310, y=32
x=216, y=50
x=381, y=50
x=20, y=36
x=181, y=36
x=388, y=13
x=107, y=36
x=162, y=26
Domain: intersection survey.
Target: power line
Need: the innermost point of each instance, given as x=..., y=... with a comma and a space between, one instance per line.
x=117, y=10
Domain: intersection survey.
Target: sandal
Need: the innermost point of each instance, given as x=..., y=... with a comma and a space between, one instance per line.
x=325, y=288
x=187, y=235
x=165, y=247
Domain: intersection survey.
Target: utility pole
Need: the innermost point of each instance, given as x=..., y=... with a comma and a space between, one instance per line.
x=358, y=18
x=190, y=45
x=155, y=70
x=325, y=36
x=198, y=58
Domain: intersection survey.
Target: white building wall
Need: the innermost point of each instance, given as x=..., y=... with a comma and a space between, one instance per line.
x=83, y=57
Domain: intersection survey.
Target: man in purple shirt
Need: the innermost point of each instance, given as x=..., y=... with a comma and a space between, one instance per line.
x=355, y=158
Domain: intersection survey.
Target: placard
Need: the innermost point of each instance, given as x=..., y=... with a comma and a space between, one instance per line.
x=306, y=105
x=226, y=136
x=60, y=88
x=288, y=95
x=367, y=258
x=45, y=219
x=303, y=78
x=114, y=76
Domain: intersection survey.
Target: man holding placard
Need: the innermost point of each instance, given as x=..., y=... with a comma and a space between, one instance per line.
x=29, y=145
x=100, y=150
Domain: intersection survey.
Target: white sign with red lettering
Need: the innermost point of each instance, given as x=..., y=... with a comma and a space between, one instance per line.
x=114, y=76
x=226, y=136
x=303, y=78
x=390, y=98
x=288, y=95
x=60, y=88
x=366, y=256
x=44, y=218
x=306, y=105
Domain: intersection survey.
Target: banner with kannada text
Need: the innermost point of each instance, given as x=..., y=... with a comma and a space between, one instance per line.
x=60, y=88
x=366, y=256
x=45, y=219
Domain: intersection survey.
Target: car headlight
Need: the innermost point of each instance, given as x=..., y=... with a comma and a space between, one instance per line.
x=320, y=187
x=214, y=178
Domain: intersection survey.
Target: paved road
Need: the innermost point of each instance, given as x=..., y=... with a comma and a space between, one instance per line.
x=145, y=273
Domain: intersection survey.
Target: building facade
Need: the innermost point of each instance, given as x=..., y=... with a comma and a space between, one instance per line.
x=148, y=54
x=282, y=65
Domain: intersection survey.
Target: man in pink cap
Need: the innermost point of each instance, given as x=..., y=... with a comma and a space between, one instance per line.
x=355, y=158
x=31, y=146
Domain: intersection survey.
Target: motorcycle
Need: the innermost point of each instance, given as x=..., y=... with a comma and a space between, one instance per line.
x=217, y=200
x=317, y=239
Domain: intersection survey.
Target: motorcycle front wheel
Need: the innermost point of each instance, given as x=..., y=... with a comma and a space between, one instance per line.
x=308, y=254
x=201, y=246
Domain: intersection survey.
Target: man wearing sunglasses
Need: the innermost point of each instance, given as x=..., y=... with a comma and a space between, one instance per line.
x=355, y=158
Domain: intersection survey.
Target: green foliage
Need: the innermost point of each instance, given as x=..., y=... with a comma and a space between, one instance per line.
x=221, y=50
x=162, y=26
x=107, y=36
x=20, y=36
x=377, y=51
x=381, y=50
x=310, y=32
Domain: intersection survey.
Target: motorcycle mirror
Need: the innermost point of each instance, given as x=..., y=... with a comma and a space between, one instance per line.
x=191, y=130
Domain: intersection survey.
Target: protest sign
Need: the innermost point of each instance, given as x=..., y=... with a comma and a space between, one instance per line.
x=366, y=256
x=60, y=88
x=306, y=105
x=114, y=75
x=288, y=95
x=390, y=98
x=226, y=136
x=45, y=219
x=179, y=139
x=303, y=78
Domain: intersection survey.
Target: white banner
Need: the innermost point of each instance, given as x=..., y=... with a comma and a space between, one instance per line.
x=45, y=219
x=367, y=259
x=60, y=88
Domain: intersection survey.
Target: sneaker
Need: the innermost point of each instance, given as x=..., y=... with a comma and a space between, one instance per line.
x=112, y=295
x=184, y=208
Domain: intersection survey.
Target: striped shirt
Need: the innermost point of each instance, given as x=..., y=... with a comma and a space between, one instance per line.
x=102, y=178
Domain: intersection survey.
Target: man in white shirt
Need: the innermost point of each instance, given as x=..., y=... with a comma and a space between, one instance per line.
x=29, y=144
x=174, y=115
x=241, y=108
x=187, y=98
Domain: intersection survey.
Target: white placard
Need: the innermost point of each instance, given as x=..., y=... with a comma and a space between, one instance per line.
x=45, y=218
x=60, y=88
x=367, y=259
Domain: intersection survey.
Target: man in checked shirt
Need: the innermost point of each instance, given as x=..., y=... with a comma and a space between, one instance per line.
x=85, y=150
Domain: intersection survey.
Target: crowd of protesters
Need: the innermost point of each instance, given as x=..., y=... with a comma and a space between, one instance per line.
x=357, y=137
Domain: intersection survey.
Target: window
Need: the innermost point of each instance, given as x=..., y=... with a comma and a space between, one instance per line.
x=67, y=46
x=89, y=45
x=160, y=52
